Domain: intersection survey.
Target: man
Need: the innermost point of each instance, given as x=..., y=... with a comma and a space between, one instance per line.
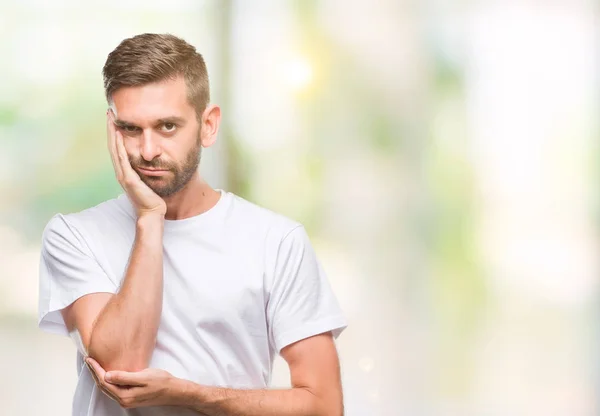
x=179, y=296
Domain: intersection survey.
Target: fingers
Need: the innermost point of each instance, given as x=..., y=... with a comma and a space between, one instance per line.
x=98, y=371
x=124, y=164
x=123, y=169
x=98, y=374
x=111, y=143
x=107, y=390
x=124, y=395
x=93, y=373
x=124, y=378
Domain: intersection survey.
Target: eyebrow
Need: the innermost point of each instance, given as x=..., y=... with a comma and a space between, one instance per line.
x=173, y=119
x=123, y=123
x=160, y=121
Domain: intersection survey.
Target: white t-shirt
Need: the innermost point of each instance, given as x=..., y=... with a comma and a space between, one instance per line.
x=240, y=283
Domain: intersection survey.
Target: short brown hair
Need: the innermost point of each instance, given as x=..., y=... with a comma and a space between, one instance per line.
x=150, y=57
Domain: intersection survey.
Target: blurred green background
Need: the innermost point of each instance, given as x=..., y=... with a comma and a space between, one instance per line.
x=443, y=156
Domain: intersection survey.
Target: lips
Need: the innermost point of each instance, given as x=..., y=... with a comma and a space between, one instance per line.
x=152, y=172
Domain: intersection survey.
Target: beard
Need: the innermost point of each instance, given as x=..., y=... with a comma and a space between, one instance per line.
x=166, y=185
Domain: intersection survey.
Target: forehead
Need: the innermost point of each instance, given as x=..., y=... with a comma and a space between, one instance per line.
x=146, y=103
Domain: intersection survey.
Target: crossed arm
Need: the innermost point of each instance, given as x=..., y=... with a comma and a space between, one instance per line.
x=118, y=333
x=316, y=388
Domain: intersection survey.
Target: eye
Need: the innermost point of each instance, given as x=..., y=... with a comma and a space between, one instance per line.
x=130, y=129
x=169, y=127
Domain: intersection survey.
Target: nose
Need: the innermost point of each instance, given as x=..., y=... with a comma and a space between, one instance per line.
x=149, y=146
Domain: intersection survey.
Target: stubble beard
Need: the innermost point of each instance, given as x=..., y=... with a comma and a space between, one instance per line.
x=181, y=175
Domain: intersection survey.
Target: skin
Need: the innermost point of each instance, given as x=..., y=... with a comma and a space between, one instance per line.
x=315, y=378
x=176, y=147
x=155, y=127
x=119, y=330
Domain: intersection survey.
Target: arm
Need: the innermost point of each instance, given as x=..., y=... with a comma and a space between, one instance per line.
x=316, y=387
x=119, y=331
x=315, y=377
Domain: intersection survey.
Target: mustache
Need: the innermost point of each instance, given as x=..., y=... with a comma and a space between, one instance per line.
x=153, y=164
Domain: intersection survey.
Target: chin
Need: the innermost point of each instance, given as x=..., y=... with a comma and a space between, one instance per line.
x=164, y=192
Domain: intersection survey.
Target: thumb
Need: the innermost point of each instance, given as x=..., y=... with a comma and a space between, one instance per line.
x=124, y=378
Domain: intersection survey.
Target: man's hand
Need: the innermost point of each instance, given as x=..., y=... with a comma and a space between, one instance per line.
x=316, y=390
x=149, y=387
x=144, y=199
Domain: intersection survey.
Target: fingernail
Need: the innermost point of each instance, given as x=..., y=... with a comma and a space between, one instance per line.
x=107, y=377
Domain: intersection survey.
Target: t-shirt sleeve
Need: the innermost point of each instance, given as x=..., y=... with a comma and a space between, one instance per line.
x=301, y=302
x=68, y=271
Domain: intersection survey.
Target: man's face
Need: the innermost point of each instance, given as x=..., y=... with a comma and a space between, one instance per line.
x=161, y=133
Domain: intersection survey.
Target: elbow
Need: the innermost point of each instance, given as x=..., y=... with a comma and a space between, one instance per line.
x=121, y=362
x=332, y=406
x=113, y=358
x=333, y=409
x=325, y=406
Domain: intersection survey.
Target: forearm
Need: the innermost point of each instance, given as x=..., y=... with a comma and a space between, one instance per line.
x=124, y=334
x=216, y=401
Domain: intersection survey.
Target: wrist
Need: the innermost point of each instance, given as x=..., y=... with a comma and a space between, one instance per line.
x=150, y=220
x=149, y=228
x=185, y=393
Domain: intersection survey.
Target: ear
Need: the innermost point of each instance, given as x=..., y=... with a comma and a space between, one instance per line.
x=211, y=119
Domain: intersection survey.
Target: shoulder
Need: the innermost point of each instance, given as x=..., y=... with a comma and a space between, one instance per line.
x=73, y=226
x=260, y=221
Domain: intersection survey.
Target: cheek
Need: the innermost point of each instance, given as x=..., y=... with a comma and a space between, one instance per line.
x=131, y=146
x=180, y=146
x=129, y=143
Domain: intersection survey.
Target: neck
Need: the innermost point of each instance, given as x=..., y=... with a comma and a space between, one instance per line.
x=193, y=199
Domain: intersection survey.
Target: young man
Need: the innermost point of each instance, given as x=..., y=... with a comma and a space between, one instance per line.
x=177, y=295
